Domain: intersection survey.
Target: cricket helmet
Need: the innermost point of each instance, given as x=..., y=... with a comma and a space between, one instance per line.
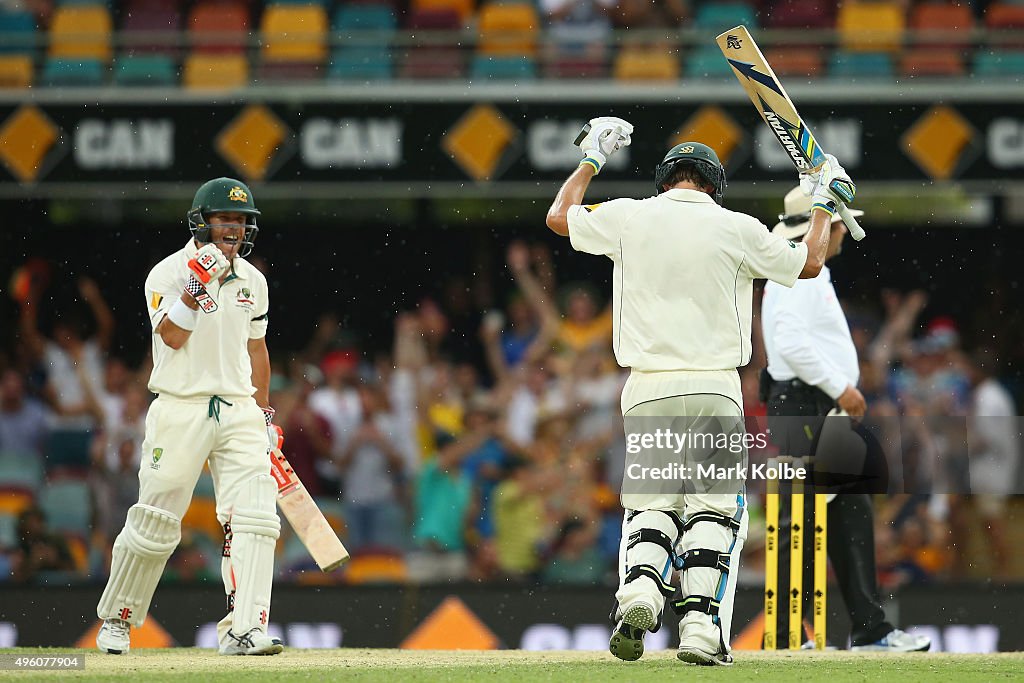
x=223, y=195
x=704, y=161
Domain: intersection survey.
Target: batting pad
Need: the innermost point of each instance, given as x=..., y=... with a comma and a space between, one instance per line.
x=646, y=574
x=708, y=535
x=140, y=552
x=254, y=531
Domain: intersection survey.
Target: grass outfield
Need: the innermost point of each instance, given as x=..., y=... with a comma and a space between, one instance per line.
x=190, y=665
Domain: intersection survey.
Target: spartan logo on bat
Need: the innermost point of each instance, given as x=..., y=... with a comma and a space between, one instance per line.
x=732, y=42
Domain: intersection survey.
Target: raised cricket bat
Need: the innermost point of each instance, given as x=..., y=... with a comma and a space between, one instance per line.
x=305, y=517
x=766, y=92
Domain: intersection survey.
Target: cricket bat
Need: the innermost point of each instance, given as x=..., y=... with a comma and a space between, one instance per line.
x=766, y=92
x=305, y=517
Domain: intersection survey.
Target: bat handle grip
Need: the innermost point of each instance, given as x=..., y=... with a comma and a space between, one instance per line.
x=856, y=232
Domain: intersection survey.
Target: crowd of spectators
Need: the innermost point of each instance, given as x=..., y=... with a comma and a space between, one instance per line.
x=484, y=445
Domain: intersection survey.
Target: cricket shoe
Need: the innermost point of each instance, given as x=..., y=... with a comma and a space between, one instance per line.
x=114, y=637
x=255, y=642
x=627, y=641
x=695, y=655
x=810, y=645
x=897, y=641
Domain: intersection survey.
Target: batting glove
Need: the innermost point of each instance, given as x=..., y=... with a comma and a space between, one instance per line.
x=209, y=264
x=829, y=186
x=601, y=137
x=275, y=435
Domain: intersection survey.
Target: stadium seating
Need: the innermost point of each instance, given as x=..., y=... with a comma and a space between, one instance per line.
x=219, y=27
x=16, y=71
x=999, y=64
x=562, y=66
x=67, y=506
x=21, y=470
x=806, y=62
x=370, y=28
x=8, y=530
x=151, y=28
x=949, y=23
x=518, y=67
x=508, y=30
x=18, y=30
x=215, y=71
x=433, y=61
x=294, y=39
x=796, y=14
x=70, y=447
x=870, y=26
x=81, y=32
x=464, y=9
x=860, y=65
x=155, y=70
x=715, y=17
x=931, y=62
x=707, y=62
x=638, y=63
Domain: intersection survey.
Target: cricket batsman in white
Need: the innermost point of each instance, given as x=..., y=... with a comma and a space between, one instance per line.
x=211, y=374
x=683, y=277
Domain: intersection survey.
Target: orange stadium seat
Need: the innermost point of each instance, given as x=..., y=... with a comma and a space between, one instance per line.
x=870, y=26
x=294, y=34
x=949, y=24
x=218, y=27
x=1006, y=17
x=637, y=63
x=376, y=568
x=81, y=32
x=201, y=517
x=215, y=71
x=797, y=61
x=927, y=61
x=15, y=71
x=463, y=8
x=508, y=30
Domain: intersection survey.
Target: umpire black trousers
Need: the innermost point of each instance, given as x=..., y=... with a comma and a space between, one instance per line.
x=851, y=534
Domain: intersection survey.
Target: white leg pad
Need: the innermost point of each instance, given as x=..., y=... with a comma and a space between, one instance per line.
x=255, y=528
x=646, y=575
x=698, y=628
x=140, y=552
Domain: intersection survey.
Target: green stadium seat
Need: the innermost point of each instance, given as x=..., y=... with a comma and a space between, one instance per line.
x=67, y=505
x=518, y=67
x=17, y=33
x=155, y=70
x=999, y=64
x=70, y=447
x=716, y=17
x=364, y=18
x=361, y=63
x=707, y=62
x=21, y=470
x=8, y=531
x=864, y=65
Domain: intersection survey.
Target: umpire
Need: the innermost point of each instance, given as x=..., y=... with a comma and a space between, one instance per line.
x=812, y=369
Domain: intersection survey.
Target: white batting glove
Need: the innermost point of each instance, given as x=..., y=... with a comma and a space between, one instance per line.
x=829, y=186
x=601, y=137
x=209, y=264
x=275, y=435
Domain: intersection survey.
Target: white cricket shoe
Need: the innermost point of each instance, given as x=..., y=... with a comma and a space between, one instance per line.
x=897, y=641
x=255, y=642
x=695, y=655
x=114, y=637
x=627, y=642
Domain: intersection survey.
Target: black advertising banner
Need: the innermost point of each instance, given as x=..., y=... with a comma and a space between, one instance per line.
x=425, y=146
x=958, y=618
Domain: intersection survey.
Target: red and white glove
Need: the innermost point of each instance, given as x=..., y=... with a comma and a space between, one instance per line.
x=275, y=435
x=209, y=264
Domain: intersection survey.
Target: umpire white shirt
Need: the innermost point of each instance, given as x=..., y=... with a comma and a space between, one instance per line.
x=806, y=335
x=682, y=288
x=215, y=358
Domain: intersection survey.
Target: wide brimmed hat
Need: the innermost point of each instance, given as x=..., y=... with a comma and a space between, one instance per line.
x=796, y=221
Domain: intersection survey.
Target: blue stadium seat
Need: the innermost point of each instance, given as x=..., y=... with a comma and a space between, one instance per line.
x=67, y=506
x=864, y=65
x=716, y=17
x=72, y=72
x=999, y=64
x=361, y=63
x=707, y=62
x=21, y=470
x=70, y=447
x=8, y=531
x=364, y=18
x=153, y=70
x=17, y=33
x=519, y=67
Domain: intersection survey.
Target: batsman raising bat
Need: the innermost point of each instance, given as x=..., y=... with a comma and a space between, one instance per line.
x=211, y=372
x=683, y=277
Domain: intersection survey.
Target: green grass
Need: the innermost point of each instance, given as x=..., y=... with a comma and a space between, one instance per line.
x=190, y=665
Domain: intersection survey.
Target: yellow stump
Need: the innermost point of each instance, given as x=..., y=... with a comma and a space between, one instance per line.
x=796, y=568
x=820, y=568
x=771, y=564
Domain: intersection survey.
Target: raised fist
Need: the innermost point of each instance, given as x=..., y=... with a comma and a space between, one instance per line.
x=209, y=264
